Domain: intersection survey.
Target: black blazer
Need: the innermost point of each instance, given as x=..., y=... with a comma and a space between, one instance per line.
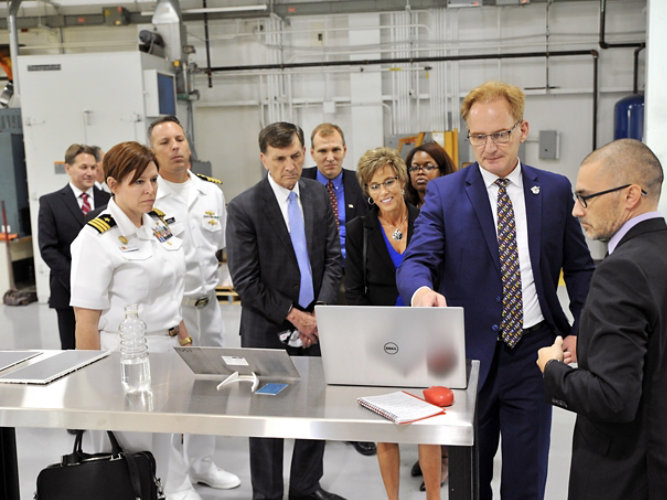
x=59, y=222
x=380, y=287
x=619, y=391
x=355, y=201
x=262, y=262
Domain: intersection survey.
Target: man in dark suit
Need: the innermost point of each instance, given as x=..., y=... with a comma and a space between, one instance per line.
x=284, y=255
x=493, y=239
x=618, y=390
x=328, y=149
x=61, y=217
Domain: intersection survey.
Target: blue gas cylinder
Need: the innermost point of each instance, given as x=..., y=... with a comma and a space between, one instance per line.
x=629, y=118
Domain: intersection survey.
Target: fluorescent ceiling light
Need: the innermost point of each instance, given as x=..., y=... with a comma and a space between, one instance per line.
x=214, y=10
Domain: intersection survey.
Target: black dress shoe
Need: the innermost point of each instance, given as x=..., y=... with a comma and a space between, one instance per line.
x=366, y=448
x=318, y=494
x=416, y=470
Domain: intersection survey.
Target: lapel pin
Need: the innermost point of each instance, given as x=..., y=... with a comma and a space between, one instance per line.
x=535, y=189
x=123, y=240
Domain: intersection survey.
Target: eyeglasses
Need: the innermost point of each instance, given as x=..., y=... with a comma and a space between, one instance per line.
x=583, y=199
x=426, y=168
x=388, y=184
x=500, y=137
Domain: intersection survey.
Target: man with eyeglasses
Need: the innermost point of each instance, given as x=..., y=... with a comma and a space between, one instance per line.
x=493, y=239
x=618, y=390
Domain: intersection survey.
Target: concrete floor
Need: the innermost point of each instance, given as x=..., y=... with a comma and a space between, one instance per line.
x=345, y=471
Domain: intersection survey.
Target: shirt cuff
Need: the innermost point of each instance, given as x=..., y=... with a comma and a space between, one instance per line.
x=412, y=299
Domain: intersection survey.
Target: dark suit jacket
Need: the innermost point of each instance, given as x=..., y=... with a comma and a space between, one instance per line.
x=455, y=250
x=619, y=391
x=59, y=222
x=380, y=287
x=355, y=201
x=262, y=262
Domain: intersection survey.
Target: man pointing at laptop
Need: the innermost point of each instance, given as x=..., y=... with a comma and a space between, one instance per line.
x=493, y=238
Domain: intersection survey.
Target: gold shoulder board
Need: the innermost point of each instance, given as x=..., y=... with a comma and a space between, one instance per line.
x=102, y=223
x=209, y=179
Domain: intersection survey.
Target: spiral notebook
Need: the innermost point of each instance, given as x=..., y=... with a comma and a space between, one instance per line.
x=400, y=407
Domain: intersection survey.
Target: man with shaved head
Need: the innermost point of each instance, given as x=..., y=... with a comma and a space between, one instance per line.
x=619, y=388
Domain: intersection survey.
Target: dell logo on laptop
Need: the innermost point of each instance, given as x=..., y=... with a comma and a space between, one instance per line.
x=390, y=348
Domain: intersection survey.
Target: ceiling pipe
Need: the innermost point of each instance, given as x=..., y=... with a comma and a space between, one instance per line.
x=639, y=46
x=603, y=42
x=410, y=60
x=635, y=73
x=208, y=46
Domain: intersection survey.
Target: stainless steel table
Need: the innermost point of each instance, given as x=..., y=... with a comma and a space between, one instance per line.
x=92, y=398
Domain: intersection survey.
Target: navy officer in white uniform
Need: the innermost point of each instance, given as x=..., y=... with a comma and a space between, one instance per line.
x=194, y=208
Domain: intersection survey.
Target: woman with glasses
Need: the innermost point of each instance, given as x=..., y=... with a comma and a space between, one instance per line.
x=425, y=163
x=375, y=245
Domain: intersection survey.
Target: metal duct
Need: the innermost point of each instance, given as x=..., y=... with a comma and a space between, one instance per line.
x=168, y=21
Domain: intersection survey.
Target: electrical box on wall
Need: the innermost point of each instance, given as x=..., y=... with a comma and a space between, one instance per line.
x=116, y=16
x=548, y=145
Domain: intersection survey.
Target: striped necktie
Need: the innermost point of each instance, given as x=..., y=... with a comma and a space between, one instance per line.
x=512, y=319
x=333, y=199
x=85, y=205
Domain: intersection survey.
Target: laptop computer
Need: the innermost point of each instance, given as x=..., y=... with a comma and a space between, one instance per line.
x=392, y=346
x=52, y=366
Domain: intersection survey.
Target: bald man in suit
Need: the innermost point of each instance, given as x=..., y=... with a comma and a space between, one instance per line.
x=619, y=449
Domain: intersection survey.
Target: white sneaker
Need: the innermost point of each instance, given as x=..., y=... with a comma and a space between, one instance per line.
x=188, y=494
x=215, y=477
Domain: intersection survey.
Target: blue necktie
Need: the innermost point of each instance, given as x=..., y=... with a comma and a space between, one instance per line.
x=297, y=234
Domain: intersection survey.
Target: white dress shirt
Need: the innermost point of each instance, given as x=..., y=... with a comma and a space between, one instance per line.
x=77, y=194
x=532, y=313
x=282, y=196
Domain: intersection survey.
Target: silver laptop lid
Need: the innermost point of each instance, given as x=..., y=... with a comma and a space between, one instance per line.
x=265, y=363
x=392, y=346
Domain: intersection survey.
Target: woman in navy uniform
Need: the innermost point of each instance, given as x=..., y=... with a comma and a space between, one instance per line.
x=127, y=255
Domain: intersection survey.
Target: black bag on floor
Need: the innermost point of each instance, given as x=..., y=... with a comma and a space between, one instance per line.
x=119, y=475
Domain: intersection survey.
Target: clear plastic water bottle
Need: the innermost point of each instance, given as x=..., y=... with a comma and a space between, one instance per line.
x=135, y=370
